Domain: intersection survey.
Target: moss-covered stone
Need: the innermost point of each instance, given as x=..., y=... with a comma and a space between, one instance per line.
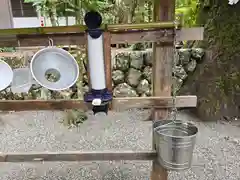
x=216, y=80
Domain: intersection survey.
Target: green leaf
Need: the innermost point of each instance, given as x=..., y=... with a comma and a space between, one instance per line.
x=28, y=1
x=69, y=10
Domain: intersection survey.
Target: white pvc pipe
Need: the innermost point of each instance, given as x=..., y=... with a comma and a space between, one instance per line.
x=96, y=63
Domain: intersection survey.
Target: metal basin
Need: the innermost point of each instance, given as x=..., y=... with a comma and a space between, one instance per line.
x=175, y=142
x=6, y=75
x=54, y=68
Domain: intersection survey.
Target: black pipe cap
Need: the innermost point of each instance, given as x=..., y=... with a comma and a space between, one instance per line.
x=93, y=19
x=102, y=108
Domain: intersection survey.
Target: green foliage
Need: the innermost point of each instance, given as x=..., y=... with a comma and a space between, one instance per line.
x=43, y=6
x=7, y=49
x=186, y=11
x=73, y=118
x=113, y=11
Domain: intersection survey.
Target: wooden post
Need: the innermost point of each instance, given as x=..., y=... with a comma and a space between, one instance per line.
x=162, y=73
x=108, y=61
x=6, y=17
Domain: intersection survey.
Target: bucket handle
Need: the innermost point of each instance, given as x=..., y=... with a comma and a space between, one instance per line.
x=156, y=128
x=50, y=42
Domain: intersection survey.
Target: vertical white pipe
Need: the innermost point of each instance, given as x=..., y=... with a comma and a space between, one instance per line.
x=96, y=63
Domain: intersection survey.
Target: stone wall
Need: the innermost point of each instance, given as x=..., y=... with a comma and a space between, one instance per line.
x=132, y=71
x=131, y=75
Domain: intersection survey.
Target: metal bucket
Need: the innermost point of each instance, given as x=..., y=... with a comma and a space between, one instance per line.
x=175, y=142
x=22, y=80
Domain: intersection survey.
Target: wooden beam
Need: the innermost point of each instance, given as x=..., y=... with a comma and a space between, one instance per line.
x=77, y=156
x=108, y=62
x=160, y=36
x=162, y=74
x=142, y=26
x=162, y=71
x=43, y=40
x=13, y=54
x=117, y=103
x=190, y=34
x=158, y=172
x=21, y=51
x=29, y=105
x=74, y=35
x=82, y=28
x=79, y=39
x=153, y=102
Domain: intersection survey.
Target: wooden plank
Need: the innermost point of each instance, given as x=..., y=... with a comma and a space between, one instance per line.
x=83, y=28
x=79, y=39
x=78, y=156
x=43, y=40
x=28, y=105
x=141, y=26
x=162, y=35
x=190, y=34
x=29, y=48
x=162, y=74
x=108, y=62
x=22, y=50
x=11, y=54
x=117, y=103
x=153, y=102
x=158, y=172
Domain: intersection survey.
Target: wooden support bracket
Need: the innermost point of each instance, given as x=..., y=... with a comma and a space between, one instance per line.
x=190, y=34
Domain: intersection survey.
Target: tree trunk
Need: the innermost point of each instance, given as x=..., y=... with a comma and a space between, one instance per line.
x=216, y=80
x=78, y=14
x=53, y=18
x=132, y=11
x=149, y=11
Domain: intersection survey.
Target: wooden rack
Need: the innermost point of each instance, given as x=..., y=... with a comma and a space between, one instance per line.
x=162, y=33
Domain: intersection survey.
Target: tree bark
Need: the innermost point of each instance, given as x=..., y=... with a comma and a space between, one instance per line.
x=216, y=80
x=53, y=17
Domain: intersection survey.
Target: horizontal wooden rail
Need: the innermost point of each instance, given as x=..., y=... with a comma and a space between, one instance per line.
x=166, y=36
x=82, y=28
x=162, y=32
x=16, y=54
x=119, y=104
x=77, y=156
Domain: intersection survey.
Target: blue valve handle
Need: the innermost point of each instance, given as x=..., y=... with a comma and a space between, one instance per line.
x=104, y=95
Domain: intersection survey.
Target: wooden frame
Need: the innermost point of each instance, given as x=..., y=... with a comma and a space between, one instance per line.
x=162, y=66
x=119, y=104
x=78, y=156
x=161, y=32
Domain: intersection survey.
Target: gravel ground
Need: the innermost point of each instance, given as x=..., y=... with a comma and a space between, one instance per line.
x=216, y=156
